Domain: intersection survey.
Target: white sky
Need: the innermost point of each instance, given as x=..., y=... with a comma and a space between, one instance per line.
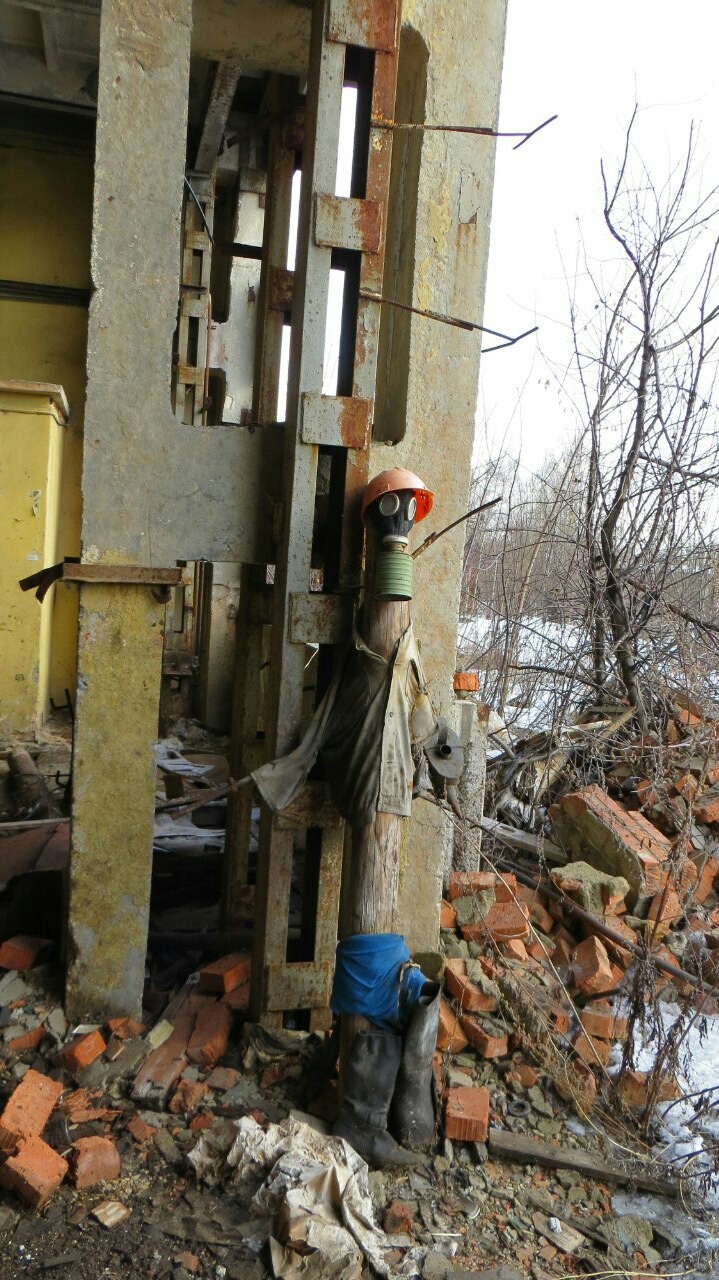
x=589, y=62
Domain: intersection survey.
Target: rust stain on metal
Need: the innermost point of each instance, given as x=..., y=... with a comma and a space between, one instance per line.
x=280, y=288
x=364, y=23
x=354, y=423
x=342, y=222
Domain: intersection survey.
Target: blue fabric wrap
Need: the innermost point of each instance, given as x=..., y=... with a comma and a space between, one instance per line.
x=368, y=982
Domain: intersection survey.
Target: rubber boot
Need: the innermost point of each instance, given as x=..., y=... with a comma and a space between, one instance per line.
x=370, y=1076
x=412, y=1116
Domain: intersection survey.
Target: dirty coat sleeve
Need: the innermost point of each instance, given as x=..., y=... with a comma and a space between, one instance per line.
x=362, y=731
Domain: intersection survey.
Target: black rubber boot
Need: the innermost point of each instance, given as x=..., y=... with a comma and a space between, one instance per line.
x=369, y=1083
x=412, y=1115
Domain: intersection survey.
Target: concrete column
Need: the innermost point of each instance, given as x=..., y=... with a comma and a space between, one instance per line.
x=462, y=63
x=139, y=167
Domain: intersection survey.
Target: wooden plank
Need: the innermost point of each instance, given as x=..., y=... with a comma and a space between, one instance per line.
x=316, y=618
x=523, y=840
x=303, y=985
x=342, y=222
x=342, y=421
x=526, y=1150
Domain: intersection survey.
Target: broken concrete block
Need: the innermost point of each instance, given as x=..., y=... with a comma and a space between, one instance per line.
x=28, y=1109
x=226, y=974
x=34, y=1172
x=94, y=1160
x=473, y=908
x=81, y=1051
x=211, y=1035
x=591, y=967
x=466, y=1115
x=595, y=890
x=23, y=952
x=450, y=1036
x=595, y=827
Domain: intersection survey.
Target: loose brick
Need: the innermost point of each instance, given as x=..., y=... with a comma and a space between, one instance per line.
x=465, y=682
x=211, y=1035
x=707, y=880
x=81, y=1051
x=226, y=974
x=686, y=787
x=239, y=998
x=633, y=1089
x=488, y=1040
x=125, y=1028
x=140, y=1130
x=575, y=1082
x=526, y=1075
x=222, y=1078
x=541, y=917
x=438, y=1074
x=514, y=949
x=29, y=1108
x=469, y=995
x=20, y=1041
x=562, y=953
x=664, y=910
x=189, y=1261
x=187, y=1097
x=450, y=1036
x=204, y=1120
x=505, y=920
x=591, y=969
x=559, y=1019
x=34, y=1172
x=591, y=1050
x=505, y=889
x=94, y=1160
x=463, y=884
x=23, y=952
x=466, y=1114
x=447, y=915
x=398, y=1218
x=599, y=1020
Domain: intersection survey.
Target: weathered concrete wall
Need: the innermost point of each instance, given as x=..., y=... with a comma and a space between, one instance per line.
x=155, y=490
x=140, y=159
x=465, y=46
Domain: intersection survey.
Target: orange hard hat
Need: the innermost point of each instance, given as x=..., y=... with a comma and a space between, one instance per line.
x=393, y=480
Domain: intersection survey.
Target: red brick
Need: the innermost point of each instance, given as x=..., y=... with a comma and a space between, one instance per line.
x=187, y=1097
x=239, y=998
x=589, y=822
x=505, y=889
x=125, y=1028
x=447, y=915
x=686, y=787
x=470, y=997
x=465, y=682
x=226, y=974
x=30, y=1040
x=591, y=969
x=29, y=1108
x=81, y=1051
x=562, y=953
x=398, y=1218
x=707, y=878
x=140, y=1130
x=664, y=909
x=541, y=917
x=526, y=1075
x=622, y=955
x=94, y=1160
x=591, y=1050
x=466, y=1114
x=204, y=1120
x=484, y=1040
x=450, y=1036
x=438, y=1074
x=599, y=1019
x=222, y=1078
x=575, y=1082
x=633, y=1088
x=504, y=920
x=559, y=1019
x=23, y=952
x=211, y=1035
x=189, y=1261
x=514, y=949
x=34, y=1173
x=463, y=884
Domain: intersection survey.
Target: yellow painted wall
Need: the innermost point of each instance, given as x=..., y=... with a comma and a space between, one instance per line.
x=31, y=441
x=45, y=225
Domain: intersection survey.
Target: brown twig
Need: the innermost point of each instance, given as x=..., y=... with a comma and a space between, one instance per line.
x=483, y=506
